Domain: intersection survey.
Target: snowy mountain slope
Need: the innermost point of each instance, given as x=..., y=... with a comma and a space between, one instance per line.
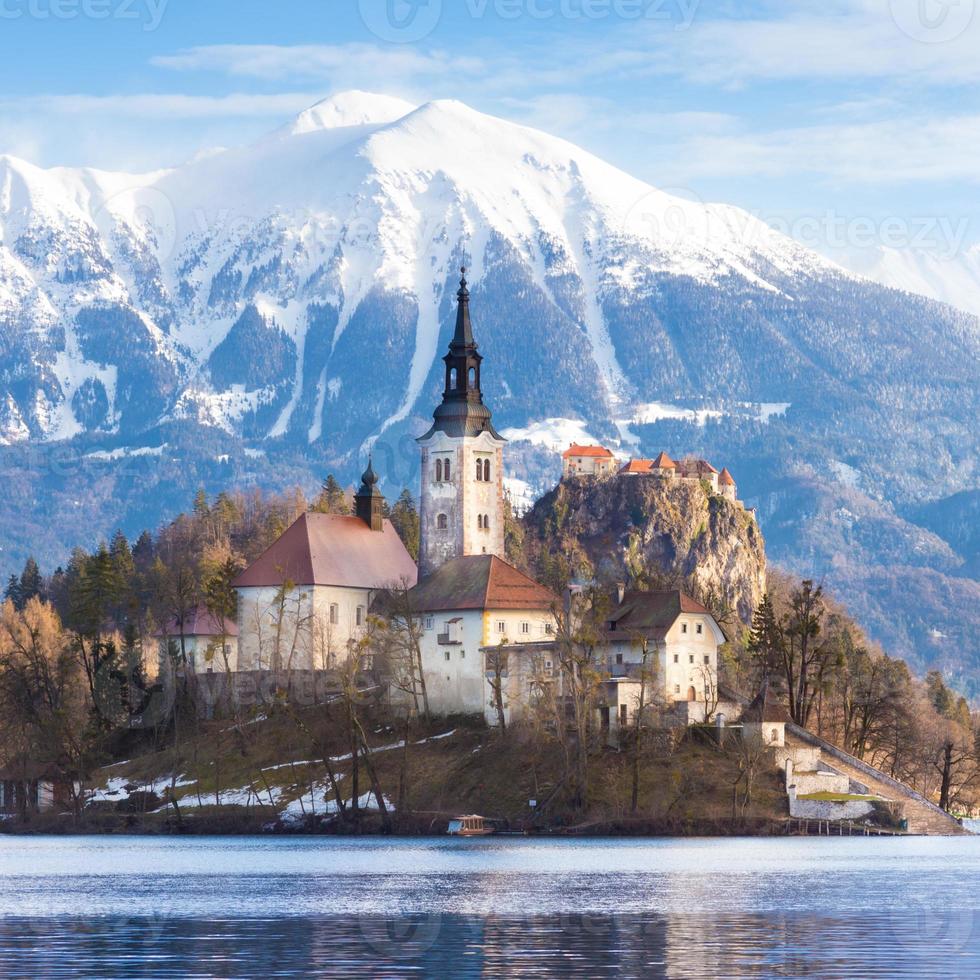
x=360, y=196
x=266, y=312
x=953, y=279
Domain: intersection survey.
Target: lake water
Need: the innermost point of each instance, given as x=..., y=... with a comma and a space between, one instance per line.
x=493, y=907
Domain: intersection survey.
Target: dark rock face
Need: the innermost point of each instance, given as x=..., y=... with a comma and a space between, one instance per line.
x=650, y=532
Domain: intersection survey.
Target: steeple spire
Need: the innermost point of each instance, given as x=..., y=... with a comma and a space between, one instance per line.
x=463, y=338
x=462, y=412
x=369, y=501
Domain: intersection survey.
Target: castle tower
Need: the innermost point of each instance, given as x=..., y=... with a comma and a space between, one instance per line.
x=462, y=498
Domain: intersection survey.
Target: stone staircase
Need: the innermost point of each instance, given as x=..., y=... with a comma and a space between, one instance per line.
x=923, y=816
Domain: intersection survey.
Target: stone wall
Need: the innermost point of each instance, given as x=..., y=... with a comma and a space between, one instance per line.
x=828, y=810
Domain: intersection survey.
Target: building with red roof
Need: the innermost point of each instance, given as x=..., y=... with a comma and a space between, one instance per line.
x=587, y=461
x=305, y=600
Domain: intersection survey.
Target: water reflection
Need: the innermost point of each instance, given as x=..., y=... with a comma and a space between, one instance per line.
x=136, y=907
x=463, y=946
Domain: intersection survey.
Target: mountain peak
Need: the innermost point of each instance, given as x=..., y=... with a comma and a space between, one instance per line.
x=352, y=108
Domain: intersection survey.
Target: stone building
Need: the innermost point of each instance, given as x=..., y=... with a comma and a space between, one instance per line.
x=587, y=461
x=306, y=599
x=470, y=605
x=461, y=502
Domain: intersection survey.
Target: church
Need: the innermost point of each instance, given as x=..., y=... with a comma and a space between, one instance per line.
x=305, y=603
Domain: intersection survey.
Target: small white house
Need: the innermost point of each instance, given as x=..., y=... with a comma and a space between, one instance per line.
x=470, y=604
x=206, y=642
x=681, y=639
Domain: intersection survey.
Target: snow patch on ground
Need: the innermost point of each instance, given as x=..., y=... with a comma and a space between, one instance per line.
x=556, y=433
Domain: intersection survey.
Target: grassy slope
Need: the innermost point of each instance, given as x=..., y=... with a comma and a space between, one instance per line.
x=471, y=770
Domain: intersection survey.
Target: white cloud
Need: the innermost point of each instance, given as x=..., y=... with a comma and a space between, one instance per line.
x=903, y=149
x=342, y=65
x=170, y=106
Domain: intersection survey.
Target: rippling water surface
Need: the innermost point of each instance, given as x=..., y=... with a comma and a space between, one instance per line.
x=498, y=907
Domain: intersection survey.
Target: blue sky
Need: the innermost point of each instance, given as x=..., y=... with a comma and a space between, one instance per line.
x=814, y=115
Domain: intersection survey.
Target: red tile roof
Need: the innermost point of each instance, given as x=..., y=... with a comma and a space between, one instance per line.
x=638, y=466
x=664, y=462
x=700, y=467
x=598, y=452
x=200, y=622
x=480, y=582
x=726, y=479
x=330, y=549
x=652, y=613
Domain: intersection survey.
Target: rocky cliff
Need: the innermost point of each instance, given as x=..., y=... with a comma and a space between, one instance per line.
x=648, y=532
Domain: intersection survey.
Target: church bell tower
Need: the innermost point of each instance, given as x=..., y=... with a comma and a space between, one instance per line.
x=462, y=498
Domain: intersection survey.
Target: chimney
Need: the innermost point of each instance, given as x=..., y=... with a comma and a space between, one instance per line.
x=620, y=592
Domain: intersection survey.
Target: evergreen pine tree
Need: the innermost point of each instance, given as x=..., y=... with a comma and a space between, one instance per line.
x=332, y=499
x=12, y=592
x=405, y=520
x=31, y=583
x=766, y=638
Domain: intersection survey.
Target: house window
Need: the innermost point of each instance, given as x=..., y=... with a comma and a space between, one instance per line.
x=700, y=629
x=448, y=655
x=683, y=627
x=462, y=654
x=334, y=614
x=430, y=622
x=549, y=628
x=619, y=658
x=692, y=658
x=707, y=660
x=442, y=522
x=525, y=628
x=360, y=615
x=479, y=521
x=501, y=626
x=677, y=658
x=677, y=689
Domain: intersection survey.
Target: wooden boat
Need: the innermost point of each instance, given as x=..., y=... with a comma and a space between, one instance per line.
x=469, y=826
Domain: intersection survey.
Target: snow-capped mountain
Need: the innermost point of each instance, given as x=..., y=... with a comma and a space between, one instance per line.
x=267, y=312
x=131, y=298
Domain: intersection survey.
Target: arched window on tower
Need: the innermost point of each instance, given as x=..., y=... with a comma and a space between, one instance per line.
x=452, y=378
x=486, y=522
x=446, y=470
x=472, y=377
x=486, y=470
x=479, y=521
x=442, y=522
x=438, y=471
x=479, y=469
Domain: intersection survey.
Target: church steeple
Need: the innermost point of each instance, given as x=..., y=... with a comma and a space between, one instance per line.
x=368, y=501
x=462, y=412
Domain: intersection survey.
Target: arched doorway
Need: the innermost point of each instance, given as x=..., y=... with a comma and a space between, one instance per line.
x=692, y=695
